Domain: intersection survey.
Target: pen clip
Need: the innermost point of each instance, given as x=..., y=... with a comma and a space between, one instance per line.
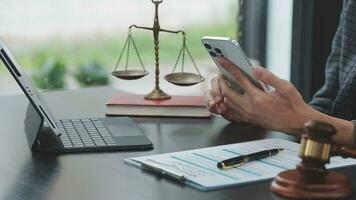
x=163, y=172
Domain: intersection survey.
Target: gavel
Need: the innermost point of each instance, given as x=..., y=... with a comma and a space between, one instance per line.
x=311, y=180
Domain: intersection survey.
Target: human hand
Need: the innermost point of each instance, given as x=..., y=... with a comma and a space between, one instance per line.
x=281, y=109
x=216, y=101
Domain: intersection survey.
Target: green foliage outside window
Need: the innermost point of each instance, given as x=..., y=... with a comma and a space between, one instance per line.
x=56, y=61
x=92, y=74
x=51, y=75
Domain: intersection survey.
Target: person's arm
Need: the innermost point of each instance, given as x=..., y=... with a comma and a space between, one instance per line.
x=345, y=130
x=282, y=109
x=325, y=96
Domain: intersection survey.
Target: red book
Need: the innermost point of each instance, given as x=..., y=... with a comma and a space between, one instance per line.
x=124, y=104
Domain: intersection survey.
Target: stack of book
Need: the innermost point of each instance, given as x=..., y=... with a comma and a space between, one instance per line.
x=127, y=104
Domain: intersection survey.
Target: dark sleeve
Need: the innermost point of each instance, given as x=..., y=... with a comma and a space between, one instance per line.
x=324, y=98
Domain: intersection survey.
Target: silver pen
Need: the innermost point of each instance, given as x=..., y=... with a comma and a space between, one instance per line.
x=162, y=172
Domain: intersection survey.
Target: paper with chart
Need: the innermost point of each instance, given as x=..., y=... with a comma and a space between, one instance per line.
x=199, y=166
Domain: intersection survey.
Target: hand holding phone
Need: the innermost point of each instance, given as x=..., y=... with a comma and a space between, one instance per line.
x=225, y=47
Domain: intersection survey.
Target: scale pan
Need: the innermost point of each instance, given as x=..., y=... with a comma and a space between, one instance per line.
x=129, y=74
x=184, y=78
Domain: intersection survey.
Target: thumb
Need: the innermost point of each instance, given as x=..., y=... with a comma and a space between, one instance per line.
x=267, y=77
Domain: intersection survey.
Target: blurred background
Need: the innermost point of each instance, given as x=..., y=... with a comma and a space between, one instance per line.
x=65, y=44
x=72, y=44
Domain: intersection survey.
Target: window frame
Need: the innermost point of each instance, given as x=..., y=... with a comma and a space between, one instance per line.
x=253, y=28
x=314, y=25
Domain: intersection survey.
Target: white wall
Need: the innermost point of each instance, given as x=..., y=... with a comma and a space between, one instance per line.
x=279, y=37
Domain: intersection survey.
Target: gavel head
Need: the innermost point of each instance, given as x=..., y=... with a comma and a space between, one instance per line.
x=311, y=180
x=315, y=149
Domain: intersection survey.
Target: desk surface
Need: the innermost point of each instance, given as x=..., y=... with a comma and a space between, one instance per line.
x=104, y=175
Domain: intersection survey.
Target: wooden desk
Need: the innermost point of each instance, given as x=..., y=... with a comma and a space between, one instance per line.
x=104, y=176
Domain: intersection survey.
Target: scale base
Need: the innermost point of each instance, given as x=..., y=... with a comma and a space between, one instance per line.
x=157, y=94
x=291, y=184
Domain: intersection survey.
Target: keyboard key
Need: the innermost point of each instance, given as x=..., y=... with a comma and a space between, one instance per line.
x=110, y=142
x=76, y=141
x=76, y=138
x=100, y=143
x=103, y=131
x=86, y=137
x=90, y=145
x=97, y=138
x=79, y=145
x=81, y=133
x=65, y=140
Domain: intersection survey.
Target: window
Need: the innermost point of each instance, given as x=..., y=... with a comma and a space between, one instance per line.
x=58, y=42
x=266, y=33
x=279, y=37
x=291, y=38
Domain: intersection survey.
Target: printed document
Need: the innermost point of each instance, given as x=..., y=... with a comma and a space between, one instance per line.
x=199, y=167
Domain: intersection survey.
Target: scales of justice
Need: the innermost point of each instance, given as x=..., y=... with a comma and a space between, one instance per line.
x=177, y=78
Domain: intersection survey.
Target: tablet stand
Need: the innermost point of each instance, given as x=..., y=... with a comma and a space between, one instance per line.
x=39, y=136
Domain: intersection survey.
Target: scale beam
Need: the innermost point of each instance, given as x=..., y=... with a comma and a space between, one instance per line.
x=170, y=31
x=160, y=30
x=181, y=78
x=141, y=27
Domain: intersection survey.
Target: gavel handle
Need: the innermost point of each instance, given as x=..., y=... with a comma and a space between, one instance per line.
x=343, y=152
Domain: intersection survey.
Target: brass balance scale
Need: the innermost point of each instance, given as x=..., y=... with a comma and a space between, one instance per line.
x=177, y=78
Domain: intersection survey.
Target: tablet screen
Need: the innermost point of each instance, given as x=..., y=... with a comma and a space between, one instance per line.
x=25, y=84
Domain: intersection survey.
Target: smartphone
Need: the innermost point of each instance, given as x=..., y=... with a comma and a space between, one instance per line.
x=230, y=49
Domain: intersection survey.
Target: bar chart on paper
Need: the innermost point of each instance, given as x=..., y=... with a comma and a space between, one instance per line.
x=198, y=168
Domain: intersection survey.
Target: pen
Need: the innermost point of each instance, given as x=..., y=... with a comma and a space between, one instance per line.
x=162, y=172
x=241, y=160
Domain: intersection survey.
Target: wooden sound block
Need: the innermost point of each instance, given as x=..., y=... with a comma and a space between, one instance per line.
x=291, y=184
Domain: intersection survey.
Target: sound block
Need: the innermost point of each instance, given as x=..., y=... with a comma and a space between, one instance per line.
x=291, y=184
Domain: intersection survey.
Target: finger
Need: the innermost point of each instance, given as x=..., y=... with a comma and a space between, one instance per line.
x=217, y=108
x=228, y=92
x=227, y=112
x=215, y=90
x=237, y=73
x=216, y=98
x=208, y=96
x=211, y=106
x=213, y=81
x=208, y=99
x=221, y=107
x=267, y=77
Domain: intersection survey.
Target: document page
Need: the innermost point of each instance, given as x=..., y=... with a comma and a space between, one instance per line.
x=199, y=166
